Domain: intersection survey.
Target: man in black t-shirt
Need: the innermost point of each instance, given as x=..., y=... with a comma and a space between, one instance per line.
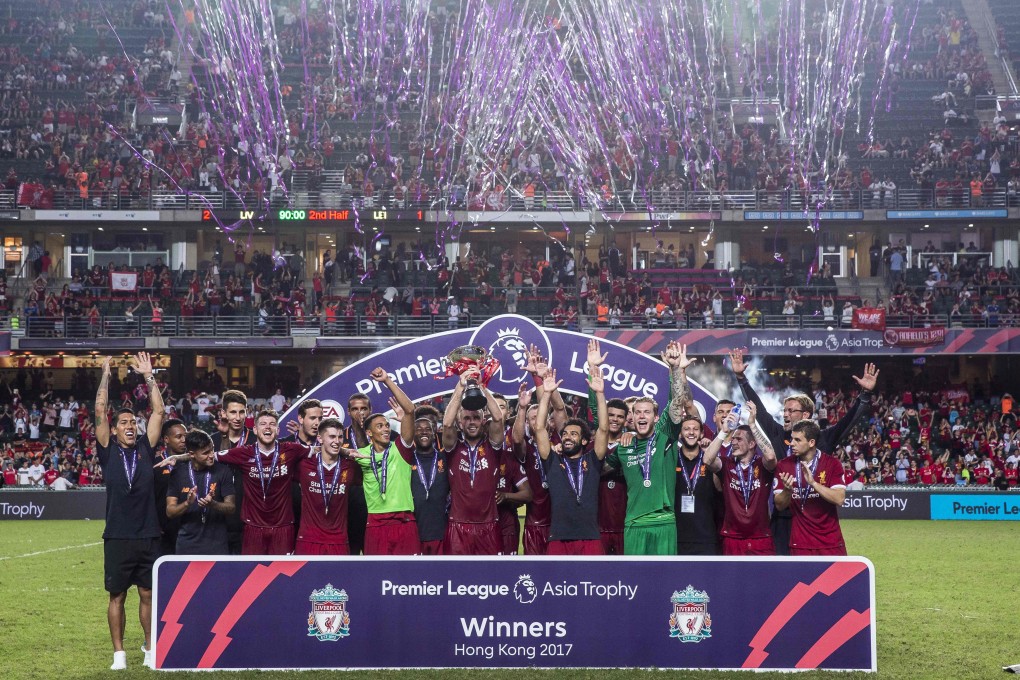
x=173, y=436
x=430, y=486
x=131, y=538
x=201, y=495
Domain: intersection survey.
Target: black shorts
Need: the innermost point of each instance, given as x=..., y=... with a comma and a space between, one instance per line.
x=128, y=562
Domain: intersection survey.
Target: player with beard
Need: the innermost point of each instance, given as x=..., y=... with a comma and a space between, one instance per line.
x=612, y=487
x=648, y=462
x=811, y=484
x=201, y=498
x=358, y=408
x=573, y=473
x=267, y=468
x=696, y=495
x=797, y=408
x=174, y=433
x=430, y=487
x=507, y=512
x=746, y=481
x=233, y=434
x=391, y=527
x=131, y=537
x=324, y=480
x=476, y=457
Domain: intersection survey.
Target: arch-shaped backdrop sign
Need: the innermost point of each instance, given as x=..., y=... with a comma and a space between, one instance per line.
x=419, y=367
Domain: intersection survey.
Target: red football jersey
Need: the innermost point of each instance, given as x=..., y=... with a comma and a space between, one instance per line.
x=612, y=501
x=272, y=507
x=539, y=511
x=815, y=520
x=318, y=526
x=473, y=497
x=746, y=518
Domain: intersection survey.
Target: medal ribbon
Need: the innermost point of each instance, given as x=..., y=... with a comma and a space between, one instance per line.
x=208, y=482
x=380, y=476
x=541, y=468
x=473, y=458
x=801, y=487
x=748, y=485
x=272, y=468
x=429, y=480
x=692, y=480
x=326, y=496
x=576, y=481
x=646, y=461
x=129, y=469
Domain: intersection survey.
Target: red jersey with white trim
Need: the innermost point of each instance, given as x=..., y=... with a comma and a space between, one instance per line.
x=318, y=526
x=274, y=508
x=750, y=518
x=473, y=497
x=612, y=500
x=815, y=520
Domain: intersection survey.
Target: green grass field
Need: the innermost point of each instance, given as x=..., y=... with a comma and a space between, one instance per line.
x=948, y=597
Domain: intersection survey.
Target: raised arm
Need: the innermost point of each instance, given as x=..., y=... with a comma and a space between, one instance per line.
x=541, y=433
x=497, y=421
x=103, y=406
x=773, y=430
x=407, y=420
x=450, y=415
x=597, y=385
x=834, y=434
x=768, y=453
x=142, y=363
x=675, y=356
x=520, y=422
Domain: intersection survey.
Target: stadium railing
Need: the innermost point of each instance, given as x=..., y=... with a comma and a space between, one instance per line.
x=653, y=201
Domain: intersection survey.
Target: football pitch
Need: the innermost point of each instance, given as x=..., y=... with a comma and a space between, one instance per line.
x=948, y=600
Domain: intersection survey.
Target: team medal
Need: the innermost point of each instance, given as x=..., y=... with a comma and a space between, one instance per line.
x=326, y=497
x=646, y=463
x=427, y=482
x=208, y=480
x=129, y=469
x=384, y=464
x=272, y=468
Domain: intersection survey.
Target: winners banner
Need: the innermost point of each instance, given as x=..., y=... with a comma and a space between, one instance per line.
x=776, y=613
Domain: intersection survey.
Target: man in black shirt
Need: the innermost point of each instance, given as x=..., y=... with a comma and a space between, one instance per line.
x=696, y=496
x=430, y=486
x=131, y=538
x=201, y=496
x=573, y=473
x=174, y=432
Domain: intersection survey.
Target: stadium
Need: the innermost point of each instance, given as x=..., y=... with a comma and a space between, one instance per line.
x=238, y=233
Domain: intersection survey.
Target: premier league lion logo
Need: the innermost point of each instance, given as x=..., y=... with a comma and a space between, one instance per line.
x=525, y=589
x=507, y=338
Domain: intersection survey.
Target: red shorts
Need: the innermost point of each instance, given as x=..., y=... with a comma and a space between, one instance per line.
x=309, y=548
x=536, y=539
x=612, y=542
x=392, y=533
x=748, y=546
x=510, y=530
x=808, y=552
x=580, y=547
x=431, y=548
x=463, y=538
x=257, y=540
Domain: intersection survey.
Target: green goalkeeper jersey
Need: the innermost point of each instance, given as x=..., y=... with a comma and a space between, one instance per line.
x=649, y=468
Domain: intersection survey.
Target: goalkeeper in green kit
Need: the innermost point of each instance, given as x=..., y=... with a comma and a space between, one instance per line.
x=648, y=462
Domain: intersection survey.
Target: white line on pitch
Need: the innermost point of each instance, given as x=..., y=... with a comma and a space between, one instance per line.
x=43, y=552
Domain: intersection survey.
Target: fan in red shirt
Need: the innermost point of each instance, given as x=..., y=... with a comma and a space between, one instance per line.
x=811, y=485
x=475, y=457
x=746, y=479
x=324, y=482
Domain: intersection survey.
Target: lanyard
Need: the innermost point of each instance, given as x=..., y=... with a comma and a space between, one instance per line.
x=272, y=468
x=746, y=486
x=646, y=462
x=129, y=468
x=327, y=495
x=208, y=483
x=380, y=475
x=538, y=463
x=576, y=480
x=473, y=458
x=692, y=480
x=427, y=480
x=803, y=489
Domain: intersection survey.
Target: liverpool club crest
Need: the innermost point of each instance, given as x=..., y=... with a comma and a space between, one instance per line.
x=690, y=621
x=329, y=619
